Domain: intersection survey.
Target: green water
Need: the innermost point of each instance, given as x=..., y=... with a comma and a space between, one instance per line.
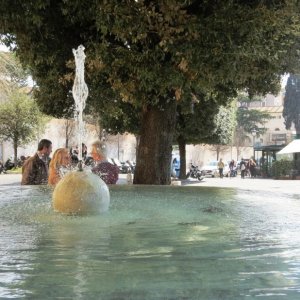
x=154, y=243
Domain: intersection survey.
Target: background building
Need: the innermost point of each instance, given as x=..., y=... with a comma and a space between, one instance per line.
x=276, y=133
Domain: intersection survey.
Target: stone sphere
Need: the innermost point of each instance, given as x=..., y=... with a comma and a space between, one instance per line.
x=81, y=193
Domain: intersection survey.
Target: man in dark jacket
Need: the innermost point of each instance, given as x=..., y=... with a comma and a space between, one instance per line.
x=35, y=168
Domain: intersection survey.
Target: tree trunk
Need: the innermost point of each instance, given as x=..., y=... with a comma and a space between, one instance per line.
x=67, y=132
x=238, y=152
x=67, y=139
x=154, y=154
x=15, y=153
x=218, y=152
x=182, y=152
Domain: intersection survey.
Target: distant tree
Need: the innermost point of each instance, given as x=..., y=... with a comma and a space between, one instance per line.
x=69, y=128
x=252, y=119
x=202, y=124
x=20, y=120
x=219, y=149
x=12, y=74
x=291, y=110
x=225, y=122
x=239, y=139
x=248, y=120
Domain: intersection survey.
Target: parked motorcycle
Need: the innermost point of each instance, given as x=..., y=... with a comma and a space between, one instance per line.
x=194, y=172
x=9, y=165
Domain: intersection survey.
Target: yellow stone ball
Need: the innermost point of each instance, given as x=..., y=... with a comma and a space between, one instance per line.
x=81, y=193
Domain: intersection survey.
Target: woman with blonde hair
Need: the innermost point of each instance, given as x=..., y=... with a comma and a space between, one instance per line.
x=61, y=158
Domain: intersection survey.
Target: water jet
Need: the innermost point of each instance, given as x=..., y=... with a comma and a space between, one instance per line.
x=80, y=192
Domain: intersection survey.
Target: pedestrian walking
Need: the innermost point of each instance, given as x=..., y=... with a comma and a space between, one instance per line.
x=221, y=167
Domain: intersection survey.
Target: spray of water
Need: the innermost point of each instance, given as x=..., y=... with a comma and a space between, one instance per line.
x=80, y=94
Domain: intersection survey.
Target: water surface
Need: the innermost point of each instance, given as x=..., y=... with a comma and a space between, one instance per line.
x=154, y=243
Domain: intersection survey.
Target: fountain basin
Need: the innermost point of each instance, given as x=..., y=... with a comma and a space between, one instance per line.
x=154, y=242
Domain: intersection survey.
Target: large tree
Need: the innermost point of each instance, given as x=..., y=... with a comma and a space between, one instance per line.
x=291, y=110
x=152, y=54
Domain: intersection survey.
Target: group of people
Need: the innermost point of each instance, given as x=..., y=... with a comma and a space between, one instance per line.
x=40, y=169
x=244, y=166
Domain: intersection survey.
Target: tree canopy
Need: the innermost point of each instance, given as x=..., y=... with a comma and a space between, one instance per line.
x=249, y=121
x=139, y=50
x=154, y=55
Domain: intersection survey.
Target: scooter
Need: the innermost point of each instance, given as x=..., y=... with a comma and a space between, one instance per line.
x=194, y=172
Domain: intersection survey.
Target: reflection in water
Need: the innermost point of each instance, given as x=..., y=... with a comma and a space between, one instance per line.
x=269, y=237
x=154, y=243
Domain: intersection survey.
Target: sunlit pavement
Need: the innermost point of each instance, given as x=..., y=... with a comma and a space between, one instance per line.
x=258, y=184
x=282, y=186
x=10, y=179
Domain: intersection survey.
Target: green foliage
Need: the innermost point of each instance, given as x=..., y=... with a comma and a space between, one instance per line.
x=12, y=74
x=204, y=120
x=281, y=168
x=225, y=122
x=140, y=51
x=20, y=119
x=249, y=119
x=119, y=117
x=291, y=111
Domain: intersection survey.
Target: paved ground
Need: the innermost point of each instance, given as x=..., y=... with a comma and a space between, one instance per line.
x=259, y=184
x=283, y=186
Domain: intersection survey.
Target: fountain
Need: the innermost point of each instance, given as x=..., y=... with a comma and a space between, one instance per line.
x=156, y=242
x=80, y=192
